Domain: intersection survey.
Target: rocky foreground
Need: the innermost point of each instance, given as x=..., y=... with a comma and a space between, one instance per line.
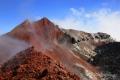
x=32, y=65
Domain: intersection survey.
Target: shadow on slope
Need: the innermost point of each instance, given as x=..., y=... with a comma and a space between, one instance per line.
x=108, y=60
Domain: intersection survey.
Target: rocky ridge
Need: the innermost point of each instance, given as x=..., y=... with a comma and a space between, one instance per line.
x=32, y=65
x=83, y=43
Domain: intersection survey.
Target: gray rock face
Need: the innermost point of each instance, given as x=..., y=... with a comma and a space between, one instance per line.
x=83, y=43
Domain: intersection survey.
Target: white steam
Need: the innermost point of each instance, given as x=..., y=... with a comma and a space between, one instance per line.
x=38, y=40
x=9, y=47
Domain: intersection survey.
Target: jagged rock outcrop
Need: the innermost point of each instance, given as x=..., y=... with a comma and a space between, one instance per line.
x=83, y=43
x=84, y=36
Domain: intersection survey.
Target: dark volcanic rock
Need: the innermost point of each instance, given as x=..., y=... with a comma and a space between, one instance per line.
x=108, y=59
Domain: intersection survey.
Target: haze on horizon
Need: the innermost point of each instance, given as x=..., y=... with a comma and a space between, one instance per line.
x=86, y=15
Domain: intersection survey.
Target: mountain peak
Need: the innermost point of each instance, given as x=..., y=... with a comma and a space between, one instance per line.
x=45, y=21
x=43, y=27
x=27, y=21
x=45, y=18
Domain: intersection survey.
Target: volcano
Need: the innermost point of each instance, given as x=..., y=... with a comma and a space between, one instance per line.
x=40, y=50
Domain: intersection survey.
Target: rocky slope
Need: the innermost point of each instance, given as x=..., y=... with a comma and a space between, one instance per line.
x=83, y=43
x=32, y=65
x=108, y=60
x=44, y=29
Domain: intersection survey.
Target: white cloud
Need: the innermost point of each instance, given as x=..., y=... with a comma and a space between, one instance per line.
x=102, y=20
x=77, y=12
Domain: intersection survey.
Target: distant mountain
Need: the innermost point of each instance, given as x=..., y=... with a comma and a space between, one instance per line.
x=71, y=51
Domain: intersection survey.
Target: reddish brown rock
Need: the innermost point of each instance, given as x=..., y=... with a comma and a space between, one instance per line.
x=44, y=29
x=32, y=65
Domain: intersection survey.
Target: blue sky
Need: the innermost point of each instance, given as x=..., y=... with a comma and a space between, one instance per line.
x=13, y=12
